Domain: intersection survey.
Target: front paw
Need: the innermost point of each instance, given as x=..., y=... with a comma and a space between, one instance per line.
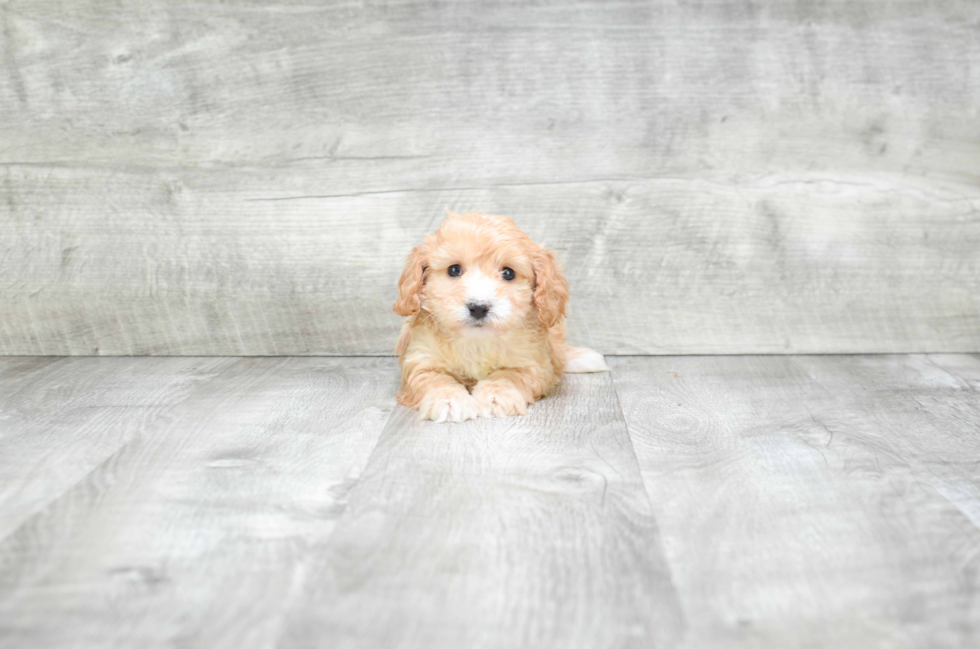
x=499, y=399
x=448, y=404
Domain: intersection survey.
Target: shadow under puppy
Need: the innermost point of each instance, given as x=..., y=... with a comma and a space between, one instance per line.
x=485, y=334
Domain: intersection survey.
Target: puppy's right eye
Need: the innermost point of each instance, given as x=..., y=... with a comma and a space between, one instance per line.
x=455, y=270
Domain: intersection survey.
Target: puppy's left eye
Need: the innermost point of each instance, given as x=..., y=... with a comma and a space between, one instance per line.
x=508, y=274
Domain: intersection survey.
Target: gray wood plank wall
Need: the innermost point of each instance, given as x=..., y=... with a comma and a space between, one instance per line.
x=719, y=177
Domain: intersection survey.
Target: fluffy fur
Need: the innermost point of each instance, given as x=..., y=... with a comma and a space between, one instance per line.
x=456, y=366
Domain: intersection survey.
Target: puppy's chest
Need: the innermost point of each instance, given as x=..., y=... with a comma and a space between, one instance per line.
x=477, y=358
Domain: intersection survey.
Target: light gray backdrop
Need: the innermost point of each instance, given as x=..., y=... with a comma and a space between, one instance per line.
x=718, y=177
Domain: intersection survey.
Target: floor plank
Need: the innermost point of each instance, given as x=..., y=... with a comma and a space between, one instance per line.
x=61, y=418
x=813, y=501
x=526, y=532
x=925, y=407
x=192, y=533
x=730, y=501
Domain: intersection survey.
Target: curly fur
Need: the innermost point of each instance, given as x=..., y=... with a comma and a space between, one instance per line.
x=455, y=367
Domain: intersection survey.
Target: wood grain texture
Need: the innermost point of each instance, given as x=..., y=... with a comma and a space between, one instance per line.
x=195, y=533
x=525, y=532
x=814, y=501
x=751, y=502
x=60, y=419
x=718, y=177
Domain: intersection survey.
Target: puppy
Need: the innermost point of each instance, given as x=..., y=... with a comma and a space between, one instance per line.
x=485, y=334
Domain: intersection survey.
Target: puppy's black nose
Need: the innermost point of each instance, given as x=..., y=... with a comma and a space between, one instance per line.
x=478, y=311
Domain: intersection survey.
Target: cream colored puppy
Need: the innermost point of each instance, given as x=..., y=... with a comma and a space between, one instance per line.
x=485, y=328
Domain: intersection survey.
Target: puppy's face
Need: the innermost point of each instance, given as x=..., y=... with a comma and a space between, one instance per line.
x=478, y=282
x=479, y=275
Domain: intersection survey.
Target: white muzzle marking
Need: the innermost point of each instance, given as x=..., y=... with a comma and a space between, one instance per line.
x=480, y=288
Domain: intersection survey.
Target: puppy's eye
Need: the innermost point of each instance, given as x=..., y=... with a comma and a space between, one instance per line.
x=455, y=270
x=508, y=274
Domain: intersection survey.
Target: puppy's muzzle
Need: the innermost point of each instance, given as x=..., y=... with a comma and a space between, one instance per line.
x=478, y=310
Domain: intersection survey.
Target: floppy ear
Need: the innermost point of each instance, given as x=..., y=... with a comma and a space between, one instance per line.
x=550, y=288
x=410, y=284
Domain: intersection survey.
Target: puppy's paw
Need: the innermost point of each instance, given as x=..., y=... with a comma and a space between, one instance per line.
x=499, y=399
x=448, y=404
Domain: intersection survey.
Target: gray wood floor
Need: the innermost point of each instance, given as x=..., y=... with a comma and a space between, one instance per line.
x=677, y=502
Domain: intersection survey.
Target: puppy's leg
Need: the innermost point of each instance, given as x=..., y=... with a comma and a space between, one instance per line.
x=438, y=396
x=509, y=392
